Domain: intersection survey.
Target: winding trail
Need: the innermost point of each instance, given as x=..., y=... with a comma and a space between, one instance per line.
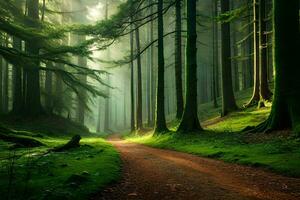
x=155, y=174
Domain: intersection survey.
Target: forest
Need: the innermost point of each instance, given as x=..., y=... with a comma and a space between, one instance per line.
x=149, y=99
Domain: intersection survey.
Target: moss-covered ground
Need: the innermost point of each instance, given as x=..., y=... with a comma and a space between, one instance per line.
x=31, y=173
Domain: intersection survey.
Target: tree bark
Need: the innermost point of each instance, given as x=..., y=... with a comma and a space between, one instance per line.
x=17, y=96
x=160, y=119
x=178, y=61
x=17, y=81
x=82, y=97
x=1, y=74
x=190, y=121
x=5, y=81
x=107, y=108
x=132, y=118
x=256, y=84
x=265, y=93
x=49, y=89
x=285, y=112
x=32, y=102
x=215, y=54
x=139, y=109
x=228, y=100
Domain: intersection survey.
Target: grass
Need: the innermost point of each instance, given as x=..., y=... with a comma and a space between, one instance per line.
x=75, y=174
x=279, y=154
x=223, y=140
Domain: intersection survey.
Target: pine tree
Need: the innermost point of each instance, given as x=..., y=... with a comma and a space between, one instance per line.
x=190, y=121
x=285, y=112
x=178, y=60
x=228, y=100
x=32, y=104
x=160, y=119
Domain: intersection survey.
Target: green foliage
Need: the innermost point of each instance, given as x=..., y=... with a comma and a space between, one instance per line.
x=233, y=14
x=74, y=174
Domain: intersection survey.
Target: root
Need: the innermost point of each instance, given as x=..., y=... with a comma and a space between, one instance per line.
x=264, y=128
x=20, y=141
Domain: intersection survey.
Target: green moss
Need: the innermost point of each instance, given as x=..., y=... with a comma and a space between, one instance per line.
x=239, y=120
x=74, y=174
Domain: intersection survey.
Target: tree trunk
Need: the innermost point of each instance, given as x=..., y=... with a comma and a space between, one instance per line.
x=1, y=74
x=5, y=81
x=265, y=93
x=132, y=119
x=153, y=77
x=107, y=100
x=139, y=109
x=190, y=121
x=49, y=89
x=107, y=110
x=98, y=128
x=32, y=102
x=228, y=100
x=17, y=81
x=255, y=95
x=178, y=61
x=82, y=98
x=285, y=113
x=236, y=78
x=216, y=33
x=215, y=54
x=160, y=118
x=58, y=93
x=17, y=96
x=149, y=71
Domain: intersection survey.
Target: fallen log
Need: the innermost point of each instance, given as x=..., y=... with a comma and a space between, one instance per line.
x=20, y=141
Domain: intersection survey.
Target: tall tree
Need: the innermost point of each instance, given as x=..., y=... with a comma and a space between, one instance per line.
x=265, y=93
x=1, y=75
x=228, y=100
x=160, y=118
x=17, y=97
x=5, y=75
x=215, y=62
x=32, y=102
x=132, y=118
x=285, y=112
x=139, y=109
x=82, y=96
x=190, y=121
x=178, y=60
x=107, y=115
x=149, y=69
x=255, y=95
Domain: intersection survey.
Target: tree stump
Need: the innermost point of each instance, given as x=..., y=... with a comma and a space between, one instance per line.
x=73, y=143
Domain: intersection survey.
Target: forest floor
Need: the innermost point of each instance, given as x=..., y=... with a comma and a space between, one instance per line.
x=32, y=173
x=150, y=174
x=222, y=139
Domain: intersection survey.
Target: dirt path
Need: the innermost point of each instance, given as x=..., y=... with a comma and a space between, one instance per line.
x=155, y=174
